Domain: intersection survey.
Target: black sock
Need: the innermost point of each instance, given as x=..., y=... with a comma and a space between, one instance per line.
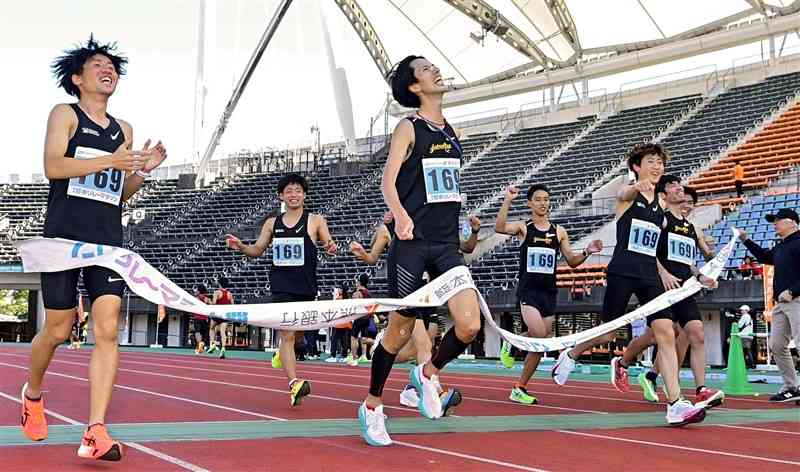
x=450, y=348
x=33, y=399
x=382, y=362
x=699, y=387
x=651, y=376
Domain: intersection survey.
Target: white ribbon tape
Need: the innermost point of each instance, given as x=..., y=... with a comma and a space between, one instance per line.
x=55, y=255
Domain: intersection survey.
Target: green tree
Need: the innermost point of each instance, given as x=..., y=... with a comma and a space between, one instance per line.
x=14, y=302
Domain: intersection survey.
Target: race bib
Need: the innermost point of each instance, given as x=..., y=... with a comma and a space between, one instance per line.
x=104, y=186
x=643, y=237
x=441, y=179
x=288, y=252
x=680, y=249
x=541, y=260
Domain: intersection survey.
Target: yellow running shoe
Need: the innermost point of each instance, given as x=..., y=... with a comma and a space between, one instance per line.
x=276, y=360
x=299, y=389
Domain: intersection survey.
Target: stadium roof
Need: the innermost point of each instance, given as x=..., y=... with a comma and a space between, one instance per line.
x=488, y=41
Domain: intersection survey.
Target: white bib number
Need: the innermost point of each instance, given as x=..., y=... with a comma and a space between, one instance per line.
x=104, y=186
x=288, y=252
x=643, y=237
x=541, y=260
x=680, y=249
x=441, y=179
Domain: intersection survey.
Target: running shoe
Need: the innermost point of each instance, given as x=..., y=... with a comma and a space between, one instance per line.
x=299, y=389
x=332, y=360
x=373, y=426
x=363, y=359
x=222, y=353
x=352, y=362
x=212, y=348
x=520, y=395
x=619, y=375
x=435, y=380
x=409, y=397
x=450, y=400
x=505, y=356
x=563, y=367
x=276, y=360
x=33, y=422
x=708, y=398
x=648, y=388
x=97, y=444
x=682, y=412
x=430, y=405
x=786, y=395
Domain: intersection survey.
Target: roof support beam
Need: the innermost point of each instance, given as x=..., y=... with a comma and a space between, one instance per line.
x=672, y=51
x=492, y=20
x=367, y=33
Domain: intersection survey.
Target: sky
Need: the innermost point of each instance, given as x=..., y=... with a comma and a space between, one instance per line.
x=291, y=89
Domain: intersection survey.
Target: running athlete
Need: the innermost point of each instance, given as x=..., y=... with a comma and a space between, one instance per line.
x=542, y=245
x=676, y=254
x=92, y=169
x=420, y=187
x=201, y=322
x=426, y=327
x=293, y=236
x=633, y=269
x=222, y=296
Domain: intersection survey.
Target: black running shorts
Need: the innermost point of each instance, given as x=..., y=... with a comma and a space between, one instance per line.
x=618, y=293
x=408, y=260
x=60, y=289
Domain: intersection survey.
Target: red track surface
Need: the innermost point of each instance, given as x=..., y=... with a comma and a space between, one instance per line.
x=172, y=388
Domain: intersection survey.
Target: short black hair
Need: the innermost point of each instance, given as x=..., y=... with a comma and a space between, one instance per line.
x=223, y=282
x=640, y=150
x=363, y=279
x=535, y=188
x=665, y=180
x=400, y=78
x=72, y=62
x=292, y=178
x=201, y=289
x=692, y=193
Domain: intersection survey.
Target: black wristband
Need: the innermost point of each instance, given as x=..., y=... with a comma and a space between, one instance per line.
x=476, y=231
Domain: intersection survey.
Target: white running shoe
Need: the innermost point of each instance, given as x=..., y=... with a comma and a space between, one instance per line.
x=409, y=397
x=373, y=426
x=563, y=367
x=430, y=404
x=682, y=412
x=332, y=360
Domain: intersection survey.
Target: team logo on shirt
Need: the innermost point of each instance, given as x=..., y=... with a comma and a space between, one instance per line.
x=85, y=130
x=115, y=136
x=443, y=146
x=543, y=240
x=681, y=229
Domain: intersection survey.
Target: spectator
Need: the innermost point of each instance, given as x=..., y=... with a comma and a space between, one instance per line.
x=341, y=332
x=745, y=324
x=749, y=268
x=786, y=290
x=738, y=178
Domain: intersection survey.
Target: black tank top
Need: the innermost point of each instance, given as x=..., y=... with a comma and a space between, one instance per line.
x=638, y=231
x=294, y=259
x=538, y=258
x=88, y=208
x=677, y=248
x=428, y=182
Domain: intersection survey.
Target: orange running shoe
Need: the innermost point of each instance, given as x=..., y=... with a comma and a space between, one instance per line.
x=97, y=444
x=33, y=423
